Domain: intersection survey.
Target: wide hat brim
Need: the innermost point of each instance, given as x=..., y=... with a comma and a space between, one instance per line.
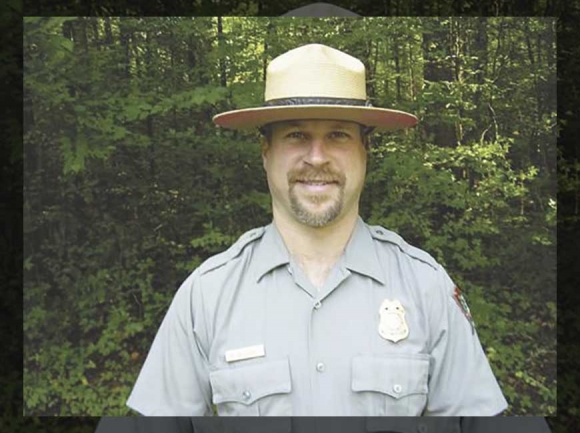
x=379, y=118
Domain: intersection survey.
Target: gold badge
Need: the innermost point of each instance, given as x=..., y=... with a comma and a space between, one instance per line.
x=392, y=324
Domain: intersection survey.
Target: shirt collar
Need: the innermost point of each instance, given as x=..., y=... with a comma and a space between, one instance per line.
x=360, y=255
x=271, y=252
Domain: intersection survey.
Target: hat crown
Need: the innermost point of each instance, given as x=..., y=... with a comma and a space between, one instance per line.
x=315, y=70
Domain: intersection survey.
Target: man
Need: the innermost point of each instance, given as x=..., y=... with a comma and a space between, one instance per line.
x=317, y=313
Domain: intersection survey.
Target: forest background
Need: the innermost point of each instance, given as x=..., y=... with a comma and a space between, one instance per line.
x=128, y=186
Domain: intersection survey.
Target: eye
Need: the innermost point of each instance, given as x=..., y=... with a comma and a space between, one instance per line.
x=339, y=135
x=297, y=135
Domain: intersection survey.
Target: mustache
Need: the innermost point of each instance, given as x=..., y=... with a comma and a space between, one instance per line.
x=310, y=174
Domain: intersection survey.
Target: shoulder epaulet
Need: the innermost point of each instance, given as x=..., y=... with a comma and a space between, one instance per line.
x=382, y=234
x=233, y=251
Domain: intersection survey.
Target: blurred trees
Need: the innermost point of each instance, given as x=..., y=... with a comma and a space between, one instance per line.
x=129, y=186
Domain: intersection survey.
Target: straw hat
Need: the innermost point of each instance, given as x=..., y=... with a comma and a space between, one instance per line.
x=316, y=82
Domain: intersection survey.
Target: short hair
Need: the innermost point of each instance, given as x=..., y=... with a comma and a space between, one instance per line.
x=266, y=131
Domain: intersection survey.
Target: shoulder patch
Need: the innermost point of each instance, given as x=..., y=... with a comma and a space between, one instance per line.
x=382, y=234
x=462, y=303
x=233, y=251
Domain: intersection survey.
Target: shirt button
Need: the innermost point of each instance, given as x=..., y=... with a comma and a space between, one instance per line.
x=317, y=305
x=246, y=395
x=397, y=388
x=320, y=367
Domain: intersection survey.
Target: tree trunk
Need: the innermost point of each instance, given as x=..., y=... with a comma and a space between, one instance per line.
x=270, y=30
x=221, y=61
x=387, y=7
x=411, y=73
x=436, y=71
x=457, y=42
x=108, y=32
x=125, y=39
x=397, y=40
x=95, y=29
x=478, y=50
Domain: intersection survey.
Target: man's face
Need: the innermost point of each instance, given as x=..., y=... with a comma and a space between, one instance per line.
x=315, y=169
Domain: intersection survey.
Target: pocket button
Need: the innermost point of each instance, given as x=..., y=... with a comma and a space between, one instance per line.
x=398, y=388
x=246, y=395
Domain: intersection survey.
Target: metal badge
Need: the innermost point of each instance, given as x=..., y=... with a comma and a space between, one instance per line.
x=392, y=324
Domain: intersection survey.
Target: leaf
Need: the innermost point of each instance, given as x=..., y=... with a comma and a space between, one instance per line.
x=67, y=44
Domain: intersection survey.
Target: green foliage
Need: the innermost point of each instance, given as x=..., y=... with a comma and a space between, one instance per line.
x=129, y=186
x=510, y=324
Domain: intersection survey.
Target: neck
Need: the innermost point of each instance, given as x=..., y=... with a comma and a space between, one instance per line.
x=323, y=245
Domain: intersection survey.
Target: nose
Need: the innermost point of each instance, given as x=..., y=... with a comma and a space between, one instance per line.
x=317, y=153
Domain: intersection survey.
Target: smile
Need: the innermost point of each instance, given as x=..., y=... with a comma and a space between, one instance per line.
x=316, y=185
x=316, y=181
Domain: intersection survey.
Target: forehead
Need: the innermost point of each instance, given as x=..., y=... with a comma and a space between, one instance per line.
x=314, y=124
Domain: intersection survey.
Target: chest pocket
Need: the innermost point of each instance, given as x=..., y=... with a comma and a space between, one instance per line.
x=253, y=390
x=390, y=386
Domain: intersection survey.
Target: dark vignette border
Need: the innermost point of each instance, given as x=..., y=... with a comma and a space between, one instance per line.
x=568, y=14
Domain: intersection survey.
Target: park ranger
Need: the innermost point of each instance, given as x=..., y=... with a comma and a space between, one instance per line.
x=317, y=313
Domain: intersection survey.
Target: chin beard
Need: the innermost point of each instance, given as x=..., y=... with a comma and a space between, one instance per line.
x=320, y=218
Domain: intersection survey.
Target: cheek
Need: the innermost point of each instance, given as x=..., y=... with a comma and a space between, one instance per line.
x=356, y=164
x=280, y=163
x=277, y=171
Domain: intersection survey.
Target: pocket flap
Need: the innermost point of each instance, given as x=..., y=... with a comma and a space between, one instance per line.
x=397, y=375
x=249, y=383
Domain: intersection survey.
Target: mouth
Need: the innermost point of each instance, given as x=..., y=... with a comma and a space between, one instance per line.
x=316, y=185
x=317, y=182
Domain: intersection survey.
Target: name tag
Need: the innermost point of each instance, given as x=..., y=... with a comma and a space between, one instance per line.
x=245, y=353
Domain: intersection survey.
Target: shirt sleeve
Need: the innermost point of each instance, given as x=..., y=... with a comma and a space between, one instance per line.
x=461, y=382
x=174, y=380
x=519, y=424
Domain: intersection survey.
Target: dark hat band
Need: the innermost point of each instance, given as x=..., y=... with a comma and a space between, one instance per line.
x=316, y=101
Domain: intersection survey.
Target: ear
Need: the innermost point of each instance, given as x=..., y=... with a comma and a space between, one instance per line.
x=264, y=150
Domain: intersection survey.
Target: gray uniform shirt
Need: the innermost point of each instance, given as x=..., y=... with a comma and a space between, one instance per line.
x=302, y=351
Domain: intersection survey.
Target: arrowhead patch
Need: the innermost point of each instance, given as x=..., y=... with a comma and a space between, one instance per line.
x=460, y=299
